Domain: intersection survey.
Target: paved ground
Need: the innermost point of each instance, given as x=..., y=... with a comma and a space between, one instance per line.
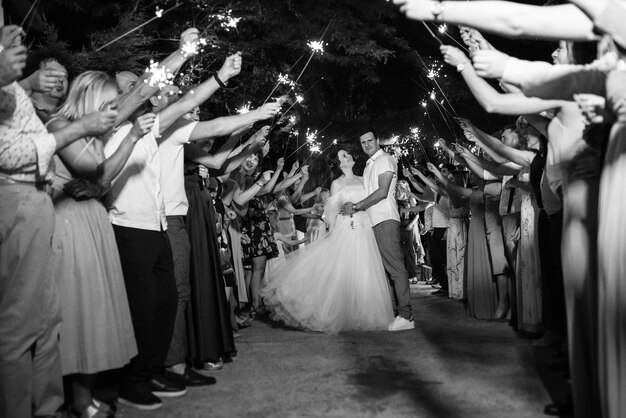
x=449, y=366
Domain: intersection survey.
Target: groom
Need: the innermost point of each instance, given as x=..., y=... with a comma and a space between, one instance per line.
x=379, y=179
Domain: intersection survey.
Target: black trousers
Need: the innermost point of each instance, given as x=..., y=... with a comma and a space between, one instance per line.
x=552, y=292
x=438, y=254
x=148, y=270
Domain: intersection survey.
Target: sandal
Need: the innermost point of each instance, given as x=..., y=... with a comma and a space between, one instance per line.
x=97, y=409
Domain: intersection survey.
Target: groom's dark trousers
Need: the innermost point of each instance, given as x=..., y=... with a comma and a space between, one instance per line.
x=387, y=235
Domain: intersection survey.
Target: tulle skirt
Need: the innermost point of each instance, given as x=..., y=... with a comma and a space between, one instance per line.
x=338, y=283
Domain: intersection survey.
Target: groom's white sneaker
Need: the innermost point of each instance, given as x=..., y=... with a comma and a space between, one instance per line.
x=401, y=324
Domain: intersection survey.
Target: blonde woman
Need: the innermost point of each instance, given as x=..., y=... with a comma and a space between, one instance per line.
x=97, y=332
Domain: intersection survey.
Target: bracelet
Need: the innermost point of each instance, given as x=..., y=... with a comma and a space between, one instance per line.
x=219, y=82
x=259, y=184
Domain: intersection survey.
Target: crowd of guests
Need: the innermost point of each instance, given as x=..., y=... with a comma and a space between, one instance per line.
x=544, y=245
x=128, y=241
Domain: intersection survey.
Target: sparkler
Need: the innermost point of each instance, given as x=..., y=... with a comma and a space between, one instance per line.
x=32, y=7
x=160, y=76
x=435, y=37
x=282, y=79
x=158, y=14
x=316, y=47
x=227, y=20
x=243, y=109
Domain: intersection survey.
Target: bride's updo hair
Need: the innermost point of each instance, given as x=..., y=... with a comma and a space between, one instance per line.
x=334, y=163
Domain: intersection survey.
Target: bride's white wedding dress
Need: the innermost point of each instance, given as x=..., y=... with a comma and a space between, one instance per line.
x=338, y=283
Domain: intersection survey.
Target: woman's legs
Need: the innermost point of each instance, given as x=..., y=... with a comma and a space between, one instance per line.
x=258, y=270
x=502, y=282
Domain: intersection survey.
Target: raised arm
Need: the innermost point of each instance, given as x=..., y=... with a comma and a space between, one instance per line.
x=521, y=157
x=485, y=169
x=269, y=186
x=509, y=19
x=447, y=184
x=102, y=173
x=488, y=97
x=435, y=187
x=201, y=93
x=284, y=203
x=226, y=125
x=241, y=197
x=145, y=88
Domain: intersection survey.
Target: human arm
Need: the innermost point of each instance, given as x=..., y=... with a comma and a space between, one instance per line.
x=486, y=169
x=271, y=184
x=539, y=79
x=201, y=93
x=12, y=55
x=225, y=125
x=310, y=195
x=146, y=86
x=287, y=240
x=42, y=80
x=285, y=204
x=433, y=186
x=509, y=19
x=447, y=184
x=241, y=197
x=412, y=180
x=84, y=164
x=608, y=15
x=488, y=97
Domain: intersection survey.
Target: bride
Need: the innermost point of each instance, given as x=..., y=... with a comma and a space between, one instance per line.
x=338, y=283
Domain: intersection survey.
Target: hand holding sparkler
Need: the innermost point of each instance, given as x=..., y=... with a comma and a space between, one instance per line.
x=11, y=36
x=143, y=124
x=258, y=138
x=490, y=63
x=432, y=168
x=44, y=80
x=230, y=68
x=98, y=123
x=453, y=56
x=266, y=148
x=267, y=111
x=280, y=164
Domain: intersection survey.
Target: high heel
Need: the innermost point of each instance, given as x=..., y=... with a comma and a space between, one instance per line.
x=501, y=312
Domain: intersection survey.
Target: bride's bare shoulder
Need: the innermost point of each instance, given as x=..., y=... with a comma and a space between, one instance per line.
x=336, y=185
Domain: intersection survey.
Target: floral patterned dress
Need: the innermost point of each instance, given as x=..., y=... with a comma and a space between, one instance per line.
x=257, y=235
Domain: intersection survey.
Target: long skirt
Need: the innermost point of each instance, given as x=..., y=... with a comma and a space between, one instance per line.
x=210, y=334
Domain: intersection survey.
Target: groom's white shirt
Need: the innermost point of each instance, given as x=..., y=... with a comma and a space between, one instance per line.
x=386, y=209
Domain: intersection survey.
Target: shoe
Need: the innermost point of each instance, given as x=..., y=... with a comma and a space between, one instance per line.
x=501, y=312
x=166, y=388
x=549, y=339
x=413, y=280
x=243, y=322
x=401, y=324
x=432, y=281
x=139, y=397
x=190, y=378
x=440, y=292
x=559, y=409
x=213, y=366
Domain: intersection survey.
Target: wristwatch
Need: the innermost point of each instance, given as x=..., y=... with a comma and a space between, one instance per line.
x=354, y=207
x=461, y=66
x=436, y=9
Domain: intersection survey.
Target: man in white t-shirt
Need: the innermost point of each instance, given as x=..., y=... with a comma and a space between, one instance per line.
x=379, y=178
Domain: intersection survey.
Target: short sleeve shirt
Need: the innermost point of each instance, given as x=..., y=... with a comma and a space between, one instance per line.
x=386, y=209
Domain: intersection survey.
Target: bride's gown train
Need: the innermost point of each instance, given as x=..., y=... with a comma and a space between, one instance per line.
x=339, y=282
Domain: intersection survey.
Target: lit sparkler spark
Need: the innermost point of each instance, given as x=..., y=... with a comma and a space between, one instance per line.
x=311, y=136
x=394, y=138
x=293, y=120
x=423, y=103
x=443, y=28
x=299, y=98
x=160, y=76
x=415, y=131
x=432, y=96
x=316, y=46
x=284, y=79
x=192, y=48
x=315, y=148
x=158, y=12
x=334, y=142
x=228, y=21
x=244, y=109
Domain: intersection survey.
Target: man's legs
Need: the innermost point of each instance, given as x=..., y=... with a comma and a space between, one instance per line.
x=30, y=372
x=151, y=290
x=387, y=235
x=179, y=241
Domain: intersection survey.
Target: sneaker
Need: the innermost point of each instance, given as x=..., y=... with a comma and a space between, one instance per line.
x=167, y=388
x=401, y=324
x=189, y=378
x=139, y=397
x=413, y=280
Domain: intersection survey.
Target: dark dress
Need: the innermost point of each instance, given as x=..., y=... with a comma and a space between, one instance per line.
x=209, y=327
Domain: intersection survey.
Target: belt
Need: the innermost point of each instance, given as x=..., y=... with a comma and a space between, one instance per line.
x=39, y=185
x=284, y=219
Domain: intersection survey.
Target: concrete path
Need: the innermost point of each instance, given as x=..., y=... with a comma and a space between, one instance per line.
x=449, y=366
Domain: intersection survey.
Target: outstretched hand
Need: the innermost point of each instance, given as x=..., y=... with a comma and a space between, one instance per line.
x=231, y=67
x=490, y=63
x=453, y=55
